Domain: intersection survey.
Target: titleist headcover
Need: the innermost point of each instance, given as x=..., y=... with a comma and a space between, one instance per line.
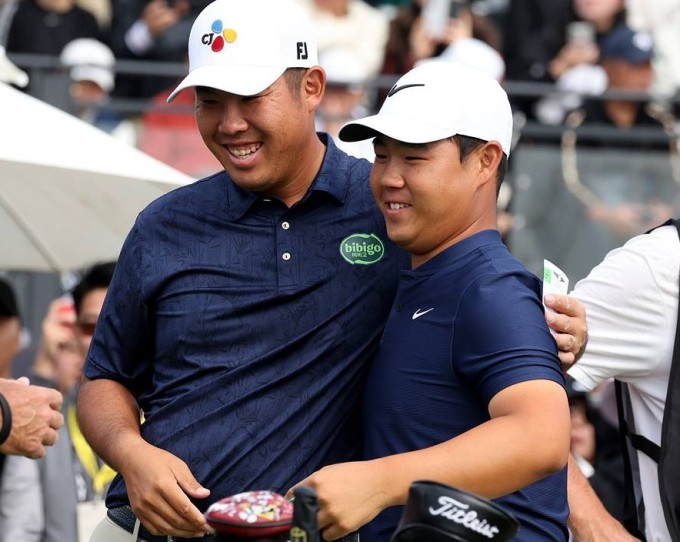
x=439, y=513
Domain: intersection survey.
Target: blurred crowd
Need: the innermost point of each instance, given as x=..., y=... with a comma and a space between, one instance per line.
x=583, y=48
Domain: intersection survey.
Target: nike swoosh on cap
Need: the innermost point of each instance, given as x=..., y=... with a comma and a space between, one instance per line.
x=396, y=89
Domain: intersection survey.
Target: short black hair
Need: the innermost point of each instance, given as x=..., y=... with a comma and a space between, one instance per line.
x=467, y=145
x=95, y=277
x=9, y=307
x=294, y=77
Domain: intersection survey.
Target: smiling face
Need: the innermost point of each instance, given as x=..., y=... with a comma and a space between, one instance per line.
x=430, y=200
x=266, y=142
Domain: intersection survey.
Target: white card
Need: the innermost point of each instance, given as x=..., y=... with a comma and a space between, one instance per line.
x=555, y=281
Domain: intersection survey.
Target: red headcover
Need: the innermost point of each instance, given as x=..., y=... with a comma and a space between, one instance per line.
x=253, y=514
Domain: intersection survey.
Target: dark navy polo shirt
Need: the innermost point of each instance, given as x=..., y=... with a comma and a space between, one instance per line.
x=244, y=328
x=465, y=325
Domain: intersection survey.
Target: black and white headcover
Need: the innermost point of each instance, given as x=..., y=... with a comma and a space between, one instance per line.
x=436, y=512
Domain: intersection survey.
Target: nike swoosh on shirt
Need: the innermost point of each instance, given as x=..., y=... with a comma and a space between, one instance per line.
x=419, y=313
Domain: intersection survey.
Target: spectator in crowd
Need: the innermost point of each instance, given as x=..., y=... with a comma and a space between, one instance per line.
x=90, y=64
x=46, y=26
x=59, y=496
x=353, y=25
x=533, y=33
x=56, y=336
x=581, y=68
x=150, y=30
x=346, y=98
x=595, y=19
x=624, y=65
x=661, y=19
x=101, y=9
x=29, y=414
x=626, y=60
x=425, y=29
x=10, y=328
x=439, y=26
x=10, y=336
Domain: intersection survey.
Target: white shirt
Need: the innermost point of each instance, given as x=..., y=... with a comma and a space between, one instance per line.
x=631, y=301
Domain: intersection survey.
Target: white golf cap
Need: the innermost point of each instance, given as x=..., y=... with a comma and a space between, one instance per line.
x=243, y=46
x=437, y=100
x=89, y=60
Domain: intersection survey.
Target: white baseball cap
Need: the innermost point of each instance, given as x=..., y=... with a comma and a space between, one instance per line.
x=243, y=46
x=437, y=100
x=89, y=60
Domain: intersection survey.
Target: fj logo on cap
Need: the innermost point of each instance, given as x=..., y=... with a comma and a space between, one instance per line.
x=362, y=249
x=302, y=53
x=218, y=36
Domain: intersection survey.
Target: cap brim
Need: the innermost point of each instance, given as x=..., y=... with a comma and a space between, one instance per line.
x=399, y=127
x=240, y=80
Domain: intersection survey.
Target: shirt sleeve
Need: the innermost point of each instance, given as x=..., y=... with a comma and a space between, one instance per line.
x=501, y=337
x=626, y=312
x=121, y=345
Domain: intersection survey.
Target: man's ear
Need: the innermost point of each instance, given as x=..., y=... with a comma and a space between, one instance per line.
x=313, y=86
x=490, y=157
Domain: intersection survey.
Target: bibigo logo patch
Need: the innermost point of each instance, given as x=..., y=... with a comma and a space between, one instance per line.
x=218, y=36
x=362, y=249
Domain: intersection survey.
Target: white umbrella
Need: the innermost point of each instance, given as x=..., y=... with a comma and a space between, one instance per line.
x=69, y=192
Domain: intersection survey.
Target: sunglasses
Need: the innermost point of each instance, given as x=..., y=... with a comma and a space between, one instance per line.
x=87, y=328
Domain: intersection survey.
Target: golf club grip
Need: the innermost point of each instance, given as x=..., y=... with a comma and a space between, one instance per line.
x=305, y=507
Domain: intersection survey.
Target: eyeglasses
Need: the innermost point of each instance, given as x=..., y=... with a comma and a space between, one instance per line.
x=87, y=328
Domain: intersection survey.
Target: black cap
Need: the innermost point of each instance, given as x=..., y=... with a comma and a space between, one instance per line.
x=622, y=42
x=8, y=299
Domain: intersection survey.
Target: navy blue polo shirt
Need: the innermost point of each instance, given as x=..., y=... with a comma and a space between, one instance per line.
x=245, y=328
x=465, y=325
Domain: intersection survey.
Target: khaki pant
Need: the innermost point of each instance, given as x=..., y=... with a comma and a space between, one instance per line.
x=90, y=514
x=108, y=531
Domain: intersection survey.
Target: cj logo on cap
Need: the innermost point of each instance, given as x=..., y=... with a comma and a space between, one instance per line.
x=218, y=36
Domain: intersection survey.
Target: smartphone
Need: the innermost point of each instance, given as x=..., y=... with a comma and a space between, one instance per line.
x=437, y=13
x=580, y=33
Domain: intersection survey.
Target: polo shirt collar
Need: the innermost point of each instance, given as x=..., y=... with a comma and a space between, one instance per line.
x=333, y=179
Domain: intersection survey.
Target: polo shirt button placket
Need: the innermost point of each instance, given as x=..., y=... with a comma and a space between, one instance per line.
x=285, y=225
